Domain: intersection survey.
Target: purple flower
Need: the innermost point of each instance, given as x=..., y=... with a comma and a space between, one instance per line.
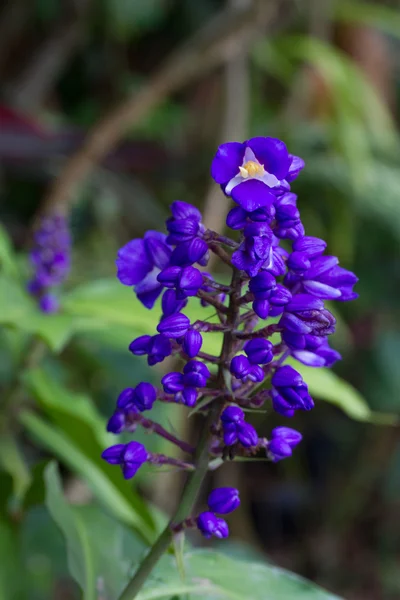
x=262, y=285
x=260, y=160
x=319, y=275
x=137, y=399
x=192, y=342
x=185, y=223
x=235, y=429
x=289, y=392
x=282, y=442
x=288, y=224
x=210, y=525
x=116, y=423
x=139, y=256
x=259, y=351
x=186, y=280
x=170, y=304
x=311, y=350
x=50, y=257
x=157, y=347
x=174, y=326
x=184, y=386
x=242, y=368
x=223, y=500
x=189, y=252
x=129, y=456
x=306, y=314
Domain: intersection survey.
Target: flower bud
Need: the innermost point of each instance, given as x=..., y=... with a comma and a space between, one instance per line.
x=174, y=326
x=259, y=351
x=223, y=500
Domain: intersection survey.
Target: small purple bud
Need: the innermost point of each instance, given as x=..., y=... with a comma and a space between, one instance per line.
x=261, y=308
x=192, y=342
x=278, y=449
x=145, y=396
x=223, y=500
x=237, y=218
x=184, y=210
x=259, y=351
x=232, y=414
x=189, y=395
x=169, y=276
x=116, y=423
x=134, y=455
x=49, y=304
x=190, y=252
x=240, y=366
x=174, y=326
x=113, y=455
x=210, y=525
x=262, y=285
x=312, y=246
x=290, y=436
x=173, y=383
x=298, y=262
x=140, y=345
x=190, y=281
x=247, y=435
x=126, y=398
x=170, y=304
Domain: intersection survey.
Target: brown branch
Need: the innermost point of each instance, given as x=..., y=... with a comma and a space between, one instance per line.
x=213, y=45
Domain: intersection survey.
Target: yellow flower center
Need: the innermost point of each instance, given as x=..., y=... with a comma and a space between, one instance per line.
x=251, y=169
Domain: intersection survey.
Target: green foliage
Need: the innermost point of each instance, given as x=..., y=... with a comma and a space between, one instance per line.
x=76, y=434
x=326, y=385
x=373, y=15
x=18, y=310
x=211, y=576
x=100, y=551
x=11, y=583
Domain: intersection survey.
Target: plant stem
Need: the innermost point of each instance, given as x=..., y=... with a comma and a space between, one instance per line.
x=196, y=478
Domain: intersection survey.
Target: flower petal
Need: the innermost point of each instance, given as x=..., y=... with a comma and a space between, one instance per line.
x=226, y=162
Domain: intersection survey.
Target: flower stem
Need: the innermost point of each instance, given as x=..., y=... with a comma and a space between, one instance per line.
x=196, y=477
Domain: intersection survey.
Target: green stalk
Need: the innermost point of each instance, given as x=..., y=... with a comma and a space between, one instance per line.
x=196, y=478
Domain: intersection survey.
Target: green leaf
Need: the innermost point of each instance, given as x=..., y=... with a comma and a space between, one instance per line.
x=18, y=310
x=326, y=385
x=11, y=581
x=100, y=552
x=210, y=575
x=13, y=462
x=74, y=413
x=373, y=15
x=117, y=497
x=8, y=261
x=103, y=304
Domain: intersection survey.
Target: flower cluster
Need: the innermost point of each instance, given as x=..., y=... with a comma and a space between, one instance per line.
x=271, y=311
x=51, y=258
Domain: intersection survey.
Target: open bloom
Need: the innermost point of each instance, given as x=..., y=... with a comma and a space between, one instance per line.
x=262, y=161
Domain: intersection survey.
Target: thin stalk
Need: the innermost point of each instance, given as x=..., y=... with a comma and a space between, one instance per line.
x=196, y=478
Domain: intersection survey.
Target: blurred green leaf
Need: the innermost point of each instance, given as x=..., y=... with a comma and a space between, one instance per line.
x=210, y=575
x=379, y=195
x=35, y=494
x=11, y=581
x=13, y=462
x=118, y=498
x=18, y=310
x=100, y=551
x=353, y=99
x=326, y=385
x=100, y=304
x=374, y=15
x=8, y=261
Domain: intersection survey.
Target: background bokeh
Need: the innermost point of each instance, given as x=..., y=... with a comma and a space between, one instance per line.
x=141, y=93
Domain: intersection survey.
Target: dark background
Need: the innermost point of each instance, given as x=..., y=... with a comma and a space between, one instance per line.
x=324, y=77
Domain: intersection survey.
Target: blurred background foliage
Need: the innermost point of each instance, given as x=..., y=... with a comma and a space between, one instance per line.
x=325, y=77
